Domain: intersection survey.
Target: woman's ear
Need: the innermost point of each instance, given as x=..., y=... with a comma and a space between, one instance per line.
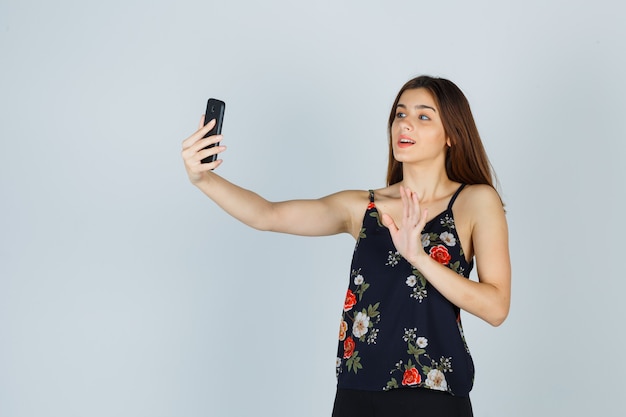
x=448, y=142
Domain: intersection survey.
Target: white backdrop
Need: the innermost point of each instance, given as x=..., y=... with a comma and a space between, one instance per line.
x=125, y=292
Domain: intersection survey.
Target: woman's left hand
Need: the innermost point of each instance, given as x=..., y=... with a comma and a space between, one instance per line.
x=407, y=237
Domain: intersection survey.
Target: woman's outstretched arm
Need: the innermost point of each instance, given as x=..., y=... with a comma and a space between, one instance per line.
x=329, y=215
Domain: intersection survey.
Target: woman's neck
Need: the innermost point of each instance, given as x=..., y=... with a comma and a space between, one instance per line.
x=429, y=184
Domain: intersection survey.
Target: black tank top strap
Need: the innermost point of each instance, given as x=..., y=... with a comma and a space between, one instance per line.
x=455, y=195
x=371, y=196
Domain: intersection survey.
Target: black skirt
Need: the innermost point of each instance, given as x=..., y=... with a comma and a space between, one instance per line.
x=400, y=402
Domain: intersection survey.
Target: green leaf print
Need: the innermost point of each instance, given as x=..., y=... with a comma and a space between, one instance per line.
x=372, y=310
x=420, y=277
x=354, y=363
x=415, y=351
x=377, y=217
x=392, y=383
x=361, y=289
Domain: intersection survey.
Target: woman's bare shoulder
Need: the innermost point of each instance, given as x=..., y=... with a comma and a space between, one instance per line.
x=479, y=201
x=480, y=194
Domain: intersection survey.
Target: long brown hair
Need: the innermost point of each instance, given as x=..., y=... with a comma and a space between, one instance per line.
x=466, y=159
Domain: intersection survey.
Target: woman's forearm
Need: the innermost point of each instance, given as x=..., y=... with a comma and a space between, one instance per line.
x=244, y=205
x=484, y=300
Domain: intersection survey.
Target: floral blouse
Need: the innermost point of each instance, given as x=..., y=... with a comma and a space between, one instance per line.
x=397, y=331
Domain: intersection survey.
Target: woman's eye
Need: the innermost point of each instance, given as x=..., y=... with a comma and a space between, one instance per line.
x=424, y=117
x=400, y=115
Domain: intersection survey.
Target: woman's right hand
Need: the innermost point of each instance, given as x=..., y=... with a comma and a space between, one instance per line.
x=193, y=152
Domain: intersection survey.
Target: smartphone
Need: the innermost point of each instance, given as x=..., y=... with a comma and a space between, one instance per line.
x=214, y=110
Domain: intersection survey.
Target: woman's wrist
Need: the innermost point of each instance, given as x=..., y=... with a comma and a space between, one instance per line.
x=418, y=259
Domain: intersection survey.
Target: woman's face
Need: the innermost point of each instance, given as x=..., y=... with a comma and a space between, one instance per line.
x=417, y=132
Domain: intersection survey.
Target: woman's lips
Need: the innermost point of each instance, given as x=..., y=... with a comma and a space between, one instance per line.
x=405, y=141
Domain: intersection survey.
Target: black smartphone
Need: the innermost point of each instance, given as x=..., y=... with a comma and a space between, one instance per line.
x=214, y=110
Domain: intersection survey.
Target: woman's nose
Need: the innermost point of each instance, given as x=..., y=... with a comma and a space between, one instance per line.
x=405, y=125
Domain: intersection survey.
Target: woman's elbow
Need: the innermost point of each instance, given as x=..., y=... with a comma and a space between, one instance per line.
x=498, y=315
x=497, y=321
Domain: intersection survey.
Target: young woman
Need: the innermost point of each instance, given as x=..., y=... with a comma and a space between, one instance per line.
x=401, y=346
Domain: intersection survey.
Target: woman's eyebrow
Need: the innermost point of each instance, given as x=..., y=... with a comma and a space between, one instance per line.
x=419, y=106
